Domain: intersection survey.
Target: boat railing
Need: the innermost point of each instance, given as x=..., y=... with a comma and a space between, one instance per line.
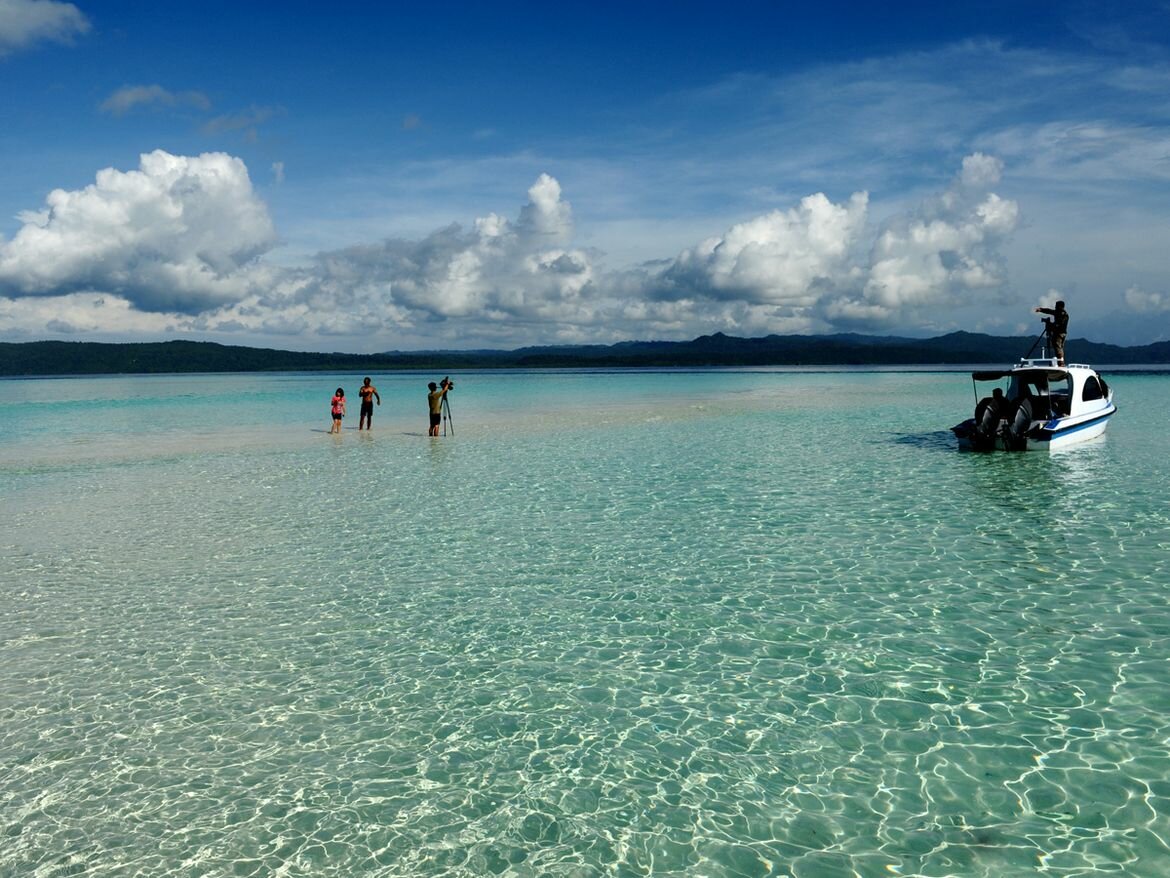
x=1049, y=363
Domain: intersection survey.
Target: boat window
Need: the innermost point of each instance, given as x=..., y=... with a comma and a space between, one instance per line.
x=1027, y=386
x=1021, y=387
x=1092, y=389
x=1061, y=390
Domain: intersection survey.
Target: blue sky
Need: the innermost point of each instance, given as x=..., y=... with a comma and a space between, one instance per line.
x=368, y=177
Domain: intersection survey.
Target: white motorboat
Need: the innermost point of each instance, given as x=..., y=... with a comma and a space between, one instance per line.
x=1038, y=405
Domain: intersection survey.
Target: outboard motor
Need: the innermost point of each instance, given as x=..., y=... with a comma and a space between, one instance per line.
x=988, y=414
x=1016, y=432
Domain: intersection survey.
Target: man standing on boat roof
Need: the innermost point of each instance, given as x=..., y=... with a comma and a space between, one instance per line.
x=1057, y=329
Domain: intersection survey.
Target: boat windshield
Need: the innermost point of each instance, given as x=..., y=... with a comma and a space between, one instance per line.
x=1050, y=391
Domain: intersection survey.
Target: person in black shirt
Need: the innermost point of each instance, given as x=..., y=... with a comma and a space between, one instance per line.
x=1057, y=329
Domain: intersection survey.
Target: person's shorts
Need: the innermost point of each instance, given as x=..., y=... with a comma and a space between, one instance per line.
x=337, y=416
x=436, y=420
x=367, y=409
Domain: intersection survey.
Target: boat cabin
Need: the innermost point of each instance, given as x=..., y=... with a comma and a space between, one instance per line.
x=1040, y=404
x=1054, y=391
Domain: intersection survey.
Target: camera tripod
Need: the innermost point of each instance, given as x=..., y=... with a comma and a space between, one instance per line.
x=446, y=410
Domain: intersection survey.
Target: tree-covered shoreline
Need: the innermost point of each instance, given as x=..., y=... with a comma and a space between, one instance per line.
x=49, y=358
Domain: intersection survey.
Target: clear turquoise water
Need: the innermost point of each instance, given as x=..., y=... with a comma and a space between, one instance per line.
x=714, y=623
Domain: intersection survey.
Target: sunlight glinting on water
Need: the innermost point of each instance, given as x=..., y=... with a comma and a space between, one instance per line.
x=713, y=623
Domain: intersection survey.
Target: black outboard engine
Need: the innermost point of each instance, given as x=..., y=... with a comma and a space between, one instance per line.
x=1016, y=432
x=988, y=414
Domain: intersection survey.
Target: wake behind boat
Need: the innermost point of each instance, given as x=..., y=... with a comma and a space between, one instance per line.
x=1040, y=405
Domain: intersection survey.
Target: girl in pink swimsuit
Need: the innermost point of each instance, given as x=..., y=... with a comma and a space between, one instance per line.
x=337, y=406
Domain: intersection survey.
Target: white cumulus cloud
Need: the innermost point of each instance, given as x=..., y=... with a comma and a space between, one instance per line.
x=819, y=266
x=782, y=258
x=498, y=269
x=981, y=170
x=80, y=315
x=1145, y=302
x=546, y=214
x=26, y=22
x=486, y=282
x=181, y=239
x=949, y=248
x=179, y=234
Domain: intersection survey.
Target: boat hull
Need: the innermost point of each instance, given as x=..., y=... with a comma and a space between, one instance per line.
x=1049, y=435
x=1060, y=433
x=1044, y=406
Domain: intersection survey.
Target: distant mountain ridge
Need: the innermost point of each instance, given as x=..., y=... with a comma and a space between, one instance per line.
x=956, y=348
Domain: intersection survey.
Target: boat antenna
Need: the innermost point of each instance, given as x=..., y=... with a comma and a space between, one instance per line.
x=1043, y=333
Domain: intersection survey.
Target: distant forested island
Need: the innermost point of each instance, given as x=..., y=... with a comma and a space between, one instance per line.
x=956, y=348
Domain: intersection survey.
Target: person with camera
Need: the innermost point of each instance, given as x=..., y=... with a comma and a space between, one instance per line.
x=435, y=400
x=1057, y=329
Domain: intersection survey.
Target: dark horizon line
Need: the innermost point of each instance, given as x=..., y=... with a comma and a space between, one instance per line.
x=59, y=357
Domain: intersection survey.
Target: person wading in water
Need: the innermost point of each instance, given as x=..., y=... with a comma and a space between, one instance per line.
x=368, y=394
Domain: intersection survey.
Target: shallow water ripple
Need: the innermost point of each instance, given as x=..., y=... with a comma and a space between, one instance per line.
x=564, y=653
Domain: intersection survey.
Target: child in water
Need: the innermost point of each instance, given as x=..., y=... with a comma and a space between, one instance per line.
x=337, y=406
